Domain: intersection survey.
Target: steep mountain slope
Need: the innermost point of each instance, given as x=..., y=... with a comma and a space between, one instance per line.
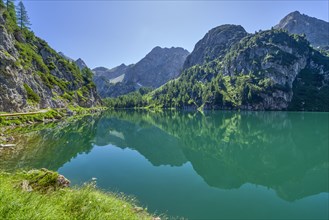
x=270, y=70
x=155, y=69
x=79, y=62
x=34, y=76
x=215, y=44
x=316, y=30
x=66, y=57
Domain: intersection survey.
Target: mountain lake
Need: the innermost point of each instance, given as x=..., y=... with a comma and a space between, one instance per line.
x=211, y=165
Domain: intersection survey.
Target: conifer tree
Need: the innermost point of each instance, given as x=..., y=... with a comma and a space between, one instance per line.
x=12, y=12
x=22, y=17
x=2, y=5
x=9, y=3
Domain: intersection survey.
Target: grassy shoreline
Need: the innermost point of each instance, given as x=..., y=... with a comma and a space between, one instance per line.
x=12, y=121
x=38, y=194
x=24, y=197
x=46, y=115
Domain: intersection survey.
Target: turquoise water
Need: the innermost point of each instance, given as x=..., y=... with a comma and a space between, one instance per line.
x=216, y=165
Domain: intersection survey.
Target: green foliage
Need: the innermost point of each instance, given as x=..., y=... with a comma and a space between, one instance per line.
x=86, y=202
x=37, y=57
x=309, y=92
x=51, y=80
x=87, y=74
x=31, y=95
x=22, y=17
x=2, y=5
x=42, y=180
x=10, y=17
x=22, y=119
x=321, y=59
x=30, y=57
x=67, y=96
x=131, y=100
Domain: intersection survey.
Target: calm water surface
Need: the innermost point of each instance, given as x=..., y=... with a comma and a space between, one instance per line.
x=218, y=165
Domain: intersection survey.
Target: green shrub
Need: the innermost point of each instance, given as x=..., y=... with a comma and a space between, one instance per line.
x=29, y=56
x=31, y=95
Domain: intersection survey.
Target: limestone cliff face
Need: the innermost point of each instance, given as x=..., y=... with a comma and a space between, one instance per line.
x=316, y=30
x=279, y=60
x=34, y=76
x=215, y=44
x=155, y=69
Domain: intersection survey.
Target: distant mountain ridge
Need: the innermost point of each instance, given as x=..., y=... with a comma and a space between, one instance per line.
x=111, y=73
x=158, y=67
x=105, y=79
x=316, y=30
x=231, y=69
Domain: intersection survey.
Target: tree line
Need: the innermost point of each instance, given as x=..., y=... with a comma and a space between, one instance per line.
x=18, y=14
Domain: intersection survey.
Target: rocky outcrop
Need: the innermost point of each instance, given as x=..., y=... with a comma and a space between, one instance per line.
x=81, y=64
x=316, y=30
x=155, y=69
x=43, y=180
x=34, y=76
x=215, y=44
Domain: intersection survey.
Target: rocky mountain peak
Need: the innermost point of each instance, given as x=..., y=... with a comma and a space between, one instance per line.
x=123, y=65
x=163, y=51
x=81, y=64
x=295, y=14
x=316, y=30
x=215, y=44
x=157, y=67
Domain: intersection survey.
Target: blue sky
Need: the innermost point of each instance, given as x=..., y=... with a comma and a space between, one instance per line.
x=108, y=33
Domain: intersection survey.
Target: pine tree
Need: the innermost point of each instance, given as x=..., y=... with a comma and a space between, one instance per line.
x=22, y=17
x=12, y=14
x=9, y=3
x=2, y=5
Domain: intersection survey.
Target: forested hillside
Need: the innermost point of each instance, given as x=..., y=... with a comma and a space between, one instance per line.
x=32, y=74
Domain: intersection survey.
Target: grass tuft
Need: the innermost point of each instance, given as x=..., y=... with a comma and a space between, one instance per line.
x=86, y=202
